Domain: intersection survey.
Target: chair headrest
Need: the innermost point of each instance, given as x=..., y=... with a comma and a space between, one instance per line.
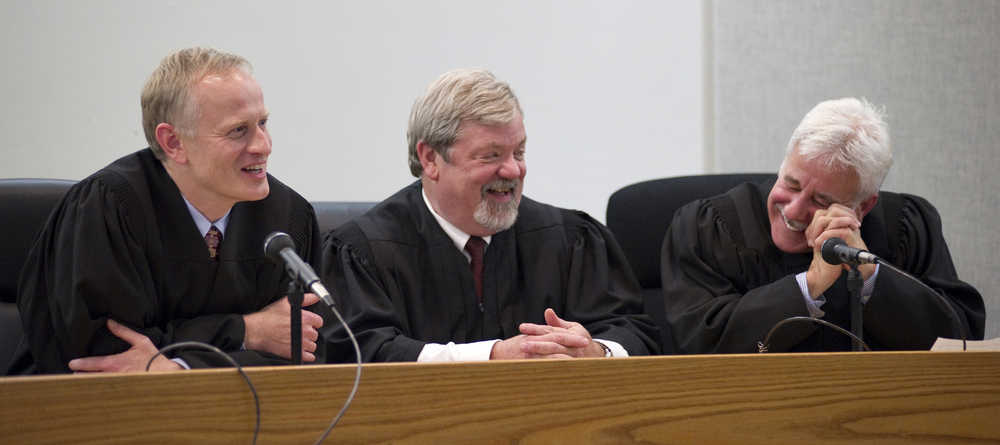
x=25, y=205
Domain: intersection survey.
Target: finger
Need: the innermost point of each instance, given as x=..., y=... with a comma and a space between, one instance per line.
x=310, y=334
x=838, y=208
x=311, y=319
x=841, y=222
x=566, y=339
x=90, y=364
x=308, y=357
x=543, y=348
x=819, y=224
x=534, y=329
x=547, y=356
x=121, y=331
x=309, y=299
x=552, y=319
x=308, y=346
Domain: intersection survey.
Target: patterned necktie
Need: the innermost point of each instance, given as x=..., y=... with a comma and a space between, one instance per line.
x=212, y=239
x=476, y=246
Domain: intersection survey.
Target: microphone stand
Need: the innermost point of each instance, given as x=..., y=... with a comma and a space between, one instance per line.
x=854, y=285
x=295, y=297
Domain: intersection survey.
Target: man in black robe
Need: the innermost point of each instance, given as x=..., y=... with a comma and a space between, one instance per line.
x=166, y=244
x=737, y=264
x=407, y=272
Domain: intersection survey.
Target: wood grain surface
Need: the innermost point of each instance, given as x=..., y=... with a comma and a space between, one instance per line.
x=830, y=398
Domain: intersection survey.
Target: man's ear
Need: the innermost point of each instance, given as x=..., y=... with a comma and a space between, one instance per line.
x=168, y=136
x=866, y=206
x=429, y=160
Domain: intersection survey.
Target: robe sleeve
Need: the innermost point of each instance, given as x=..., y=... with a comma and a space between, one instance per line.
x=902, y=314
x=708, y=304
x=90, y=264
x=365, y=306
x=603, y=294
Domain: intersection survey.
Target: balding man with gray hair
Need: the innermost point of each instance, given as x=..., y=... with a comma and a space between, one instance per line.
x=735, y=265
x=459, y=266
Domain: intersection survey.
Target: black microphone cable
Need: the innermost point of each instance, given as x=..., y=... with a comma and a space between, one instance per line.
x=281, y=248
x=357, y=376
x=239, y=369
x=763, y=346
x=961, y=326
x=832, y=255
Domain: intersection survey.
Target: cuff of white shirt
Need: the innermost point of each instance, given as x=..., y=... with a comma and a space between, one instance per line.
x=181, y=362
x=869, y=286
x=457, y=352
x=812, y=305
x=617, y=350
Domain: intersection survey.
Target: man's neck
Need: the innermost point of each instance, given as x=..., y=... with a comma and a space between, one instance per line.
x=195, y=195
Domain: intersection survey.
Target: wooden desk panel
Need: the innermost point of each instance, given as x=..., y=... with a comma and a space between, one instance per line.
x=836, y=398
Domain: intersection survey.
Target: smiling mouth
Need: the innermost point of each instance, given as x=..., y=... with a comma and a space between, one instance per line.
x=794, y=226
x=255, y=168
x=501, y=188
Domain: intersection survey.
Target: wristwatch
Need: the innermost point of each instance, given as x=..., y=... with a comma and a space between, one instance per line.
x=607, y=350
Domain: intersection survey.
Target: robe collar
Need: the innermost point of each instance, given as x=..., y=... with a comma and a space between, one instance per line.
x=456, y=235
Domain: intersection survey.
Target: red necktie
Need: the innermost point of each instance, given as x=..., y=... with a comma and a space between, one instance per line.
x=212, y=239
x=476, y=246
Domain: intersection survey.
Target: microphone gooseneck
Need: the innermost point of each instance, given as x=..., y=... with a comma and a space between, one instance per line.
x=280, y=248
x=836, y=251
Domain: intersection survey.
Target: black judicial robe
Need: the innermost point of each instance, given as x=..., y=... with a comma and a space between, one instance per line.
x=726, y=284
x=402, y=282
x=122, y=245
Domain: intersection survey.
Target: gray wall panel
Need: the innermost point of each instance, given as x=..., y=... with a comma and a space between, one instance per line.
x=933, y=65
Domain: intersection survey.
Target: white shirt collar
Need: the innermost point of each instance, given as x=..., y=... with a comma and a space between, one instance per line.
x=203, y=223
x=457, y=235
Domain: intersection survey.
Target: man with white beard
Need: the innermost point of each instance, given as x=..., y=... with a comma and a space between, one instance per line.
x=458, y=266
x=736, y=264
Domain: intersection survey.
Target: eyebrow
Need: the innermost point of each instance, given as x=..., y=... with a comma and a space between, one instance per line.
x=237, y=122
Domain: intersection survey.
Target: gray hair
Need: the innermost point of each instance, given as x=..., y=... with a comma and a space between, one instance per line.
x=846, y=133
x=166, y=97
x=457, y=96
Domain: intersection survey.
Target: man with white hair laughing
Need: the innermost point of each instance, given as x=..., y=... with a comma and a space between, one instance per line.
x=736, y=264
x=459, y=266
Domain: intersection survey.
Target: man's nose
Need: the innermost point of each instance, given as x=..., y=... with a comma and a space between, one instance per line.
x=511, y=168
x=799, y=209
x=261, y=142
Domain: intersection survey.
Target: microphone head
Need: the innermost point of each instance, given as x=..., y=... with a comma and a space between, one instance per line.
x=829, y=249
x=275, y=243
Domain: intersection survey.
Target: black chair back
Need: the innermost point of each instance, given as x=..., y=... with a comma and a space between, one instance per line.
x=25, y=205
x=639, y=215
x=331, y=214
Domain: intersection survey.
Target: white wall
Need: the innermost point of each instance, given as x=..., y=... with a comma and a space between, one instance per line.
x=611, y=90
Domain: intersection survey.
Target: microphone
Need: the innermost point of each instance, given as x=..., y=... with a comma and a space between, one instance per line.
x=836, y=251
x=280, y=248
